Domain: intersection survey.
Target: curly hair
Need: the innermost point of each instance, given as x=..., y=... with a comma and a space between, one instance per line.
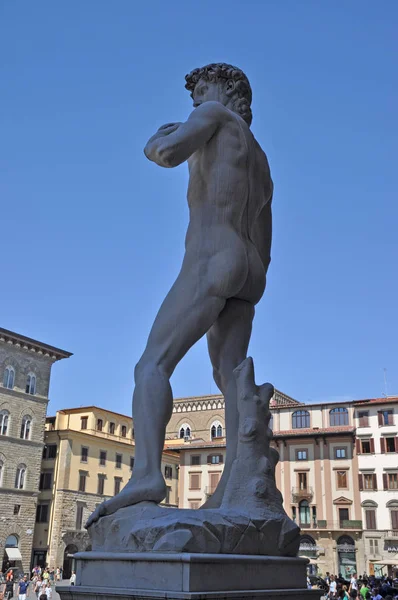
x=223, y=72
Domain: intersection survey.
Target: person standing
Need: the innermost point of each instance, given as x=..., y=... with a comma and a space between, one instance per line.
x=376, y=594
x=353, y=586
x=8, y=589
x=73, y=578
x=364, y=589
x=346, y=596
x=332, y=587
x=23, y=588
x=38, y=586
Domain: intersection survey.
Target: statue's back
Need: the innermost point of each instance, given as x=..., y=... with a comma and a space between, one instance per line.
x=259, y=205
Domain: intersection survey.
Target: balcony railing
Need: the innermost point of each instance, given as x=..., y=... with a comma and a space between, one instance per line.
x=299, y=493
x=392, y=534
x=308, y=525
x=333, y=525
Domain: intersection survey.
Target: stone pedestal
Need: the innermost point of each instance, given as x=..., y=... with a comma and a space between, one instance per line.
x=187, y=577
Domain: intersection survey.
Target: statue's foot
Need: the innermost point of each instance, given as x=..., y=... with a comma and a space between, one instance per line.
x=149, y=488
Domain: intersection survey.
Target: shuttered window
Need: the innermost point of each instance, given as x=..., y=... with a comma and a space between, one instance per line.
x=370, y=519
x=342, y=480
x=363, y=418
x=385, y=417
x=214, y=478
x=194, y=481
x=392, y=481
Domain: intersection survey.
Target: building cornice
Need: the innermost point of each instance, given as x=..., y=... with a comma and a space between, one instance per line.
x=24, y=395
x=315, y=433
x=216, y=402
x=278, y=436
x=198, y=445
x=83, y=409
x=20, y=441
x=31, y=345
x=85, y=433
x=15, y=491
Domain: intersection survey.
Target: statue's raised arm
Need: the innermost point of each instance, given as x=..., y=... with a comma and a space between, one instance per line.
x=174, y=143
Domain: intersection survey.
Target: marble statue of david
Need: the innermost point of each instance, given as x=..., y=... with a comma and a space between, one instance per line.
x=223, y=274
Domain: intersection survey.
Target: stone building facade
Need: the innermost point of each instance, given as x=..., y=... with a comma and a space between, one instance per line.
x=317, y=473
x=88, y=457
x=377, y=450
x=25, y=368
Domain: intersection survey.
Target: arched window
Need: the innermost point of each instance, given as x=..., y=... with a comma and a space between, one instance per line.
x=185, y=431
x=25, y=427
x=9, y=377
x=346, y=556
x=393, y=506
x=68, y=566
x=301, y=419
x=31, y=384
x=338, y=416
x=216, y=430
x=20, y=477
x=308, y=546
x=304, y=512
x=12, y=541
x=4, y=415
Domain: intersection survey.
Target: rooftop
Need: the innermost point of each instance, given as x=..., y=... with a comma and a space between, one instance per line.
x=80, y=409
x=385, y=400
x=27, y=343
x=315, y=431
x=279, y=399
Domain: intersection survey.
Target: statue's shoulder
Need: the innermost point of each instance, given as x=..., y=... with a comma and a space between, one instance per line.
x=212, y=109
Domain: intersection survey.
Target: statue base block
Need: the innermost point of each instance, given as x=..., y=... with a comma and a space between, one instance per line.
x=186, y=576
x=147, y=527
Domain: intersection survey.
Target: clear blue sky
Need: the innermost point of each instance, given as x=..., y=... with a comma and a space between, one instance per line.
x=92, y=233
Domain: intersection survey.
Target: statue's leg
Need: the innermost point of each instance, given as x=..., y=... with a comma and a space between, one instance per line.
x=187, y=313
x=228, y=341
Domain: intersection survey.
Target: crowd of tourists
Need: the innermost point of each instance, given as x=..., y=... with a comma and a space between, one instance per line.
x=41, y=584
x=360, y=588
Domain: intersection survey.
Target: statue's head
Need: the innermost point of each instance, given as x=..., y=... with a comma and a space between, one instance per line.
x=223, y=83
